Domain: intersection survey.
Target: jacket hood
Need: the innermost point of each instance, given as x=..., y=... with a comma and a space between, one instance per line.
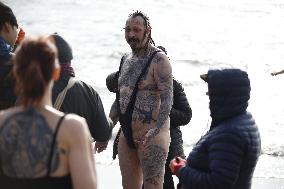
x=229, y=92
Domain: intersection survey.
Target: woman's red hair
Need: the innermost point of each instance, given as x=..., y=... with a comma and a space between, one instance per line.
x=34, y=65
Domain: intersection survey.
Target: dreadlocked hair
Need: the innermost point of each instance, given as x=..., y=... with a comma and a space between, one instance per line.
x=146, y=19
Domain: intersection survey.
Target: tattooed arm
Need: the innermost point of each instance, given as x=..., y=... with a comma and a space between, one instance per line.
x=164, y=81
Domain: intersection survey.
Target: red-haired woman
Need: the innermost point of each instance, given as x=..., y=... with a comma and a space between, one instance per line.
x=41, y=147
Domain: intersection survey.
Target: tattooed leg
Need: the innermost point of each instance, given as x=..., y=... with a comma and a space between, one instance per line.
x=130, y=167
x=153, y=162
x=153, y=158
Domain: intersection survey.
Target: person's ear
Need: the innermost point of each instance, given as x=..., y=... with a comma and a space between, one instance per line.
x=6, y=27
x=148, y=31
x=56, y=73
x=51, y=39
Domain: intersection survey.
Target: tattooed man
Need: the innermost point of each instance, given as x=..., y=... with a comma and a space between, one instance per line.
x=144, y=100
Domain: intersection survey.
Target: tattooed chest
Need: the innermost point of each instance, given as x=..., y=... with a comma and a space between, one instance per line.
x=130, y=72
x=128, y=77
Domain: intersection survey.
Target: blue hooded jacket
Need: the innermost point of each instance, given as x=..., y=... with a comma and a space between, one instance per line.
x=7, y=84
x=227, y=155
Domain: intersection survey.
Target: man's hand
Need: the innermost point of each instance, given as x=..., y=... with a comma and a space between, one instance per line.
x=150, y=134
x=111, y=124
x=176, y=164
x=113, y=119
x=100, y=146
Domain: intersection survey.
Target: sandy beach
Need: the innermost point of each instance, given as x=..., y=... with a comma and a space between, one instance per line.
x=109, y=178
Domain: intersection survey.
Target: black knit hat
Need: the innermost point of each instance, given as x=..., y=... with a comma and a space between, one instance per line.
x=7, y=15
x=64, y=49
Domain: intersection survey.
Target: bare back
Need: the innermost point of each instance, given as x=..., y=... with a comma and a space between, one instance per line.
x=26, y=137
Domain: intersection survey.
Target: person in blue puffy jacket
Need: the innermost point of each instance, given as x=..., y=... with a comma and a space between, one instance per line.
x=226, y=156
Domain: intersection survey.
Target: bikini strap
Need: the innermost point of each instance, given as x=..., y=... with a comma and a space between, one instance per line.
x=53, y=144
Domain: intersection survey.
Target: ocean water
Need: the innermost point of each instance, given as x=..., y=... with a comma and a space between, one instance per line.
x=198, y=35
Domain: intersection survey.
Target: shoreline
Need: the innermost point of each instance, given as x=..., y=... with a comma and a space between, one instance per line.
x=109, y=177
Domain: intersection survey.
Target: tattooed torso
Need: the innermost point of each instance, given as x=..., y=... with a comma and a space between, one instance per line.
x=154, y=95
x=129, y=74
x=25, y=145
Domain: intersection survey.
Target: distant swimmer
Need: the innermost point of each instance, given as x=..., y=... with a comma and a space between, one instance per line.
x=277, y=73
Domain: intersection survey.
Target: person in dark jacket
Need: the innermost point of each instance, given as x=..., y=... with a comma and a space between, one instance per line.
x=180, y=115
x=8, y=36
x=81, y=98
x=226, y=156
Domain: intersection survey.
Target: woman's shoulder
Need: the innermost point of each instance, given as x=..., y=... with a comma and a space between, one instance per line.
x=75, y=124
x=4, y=114
x=75, y=130
x=74, y=120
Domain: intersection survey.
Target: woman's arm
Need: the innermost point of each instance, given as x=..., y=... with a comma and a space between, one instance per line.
x=81, y=156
